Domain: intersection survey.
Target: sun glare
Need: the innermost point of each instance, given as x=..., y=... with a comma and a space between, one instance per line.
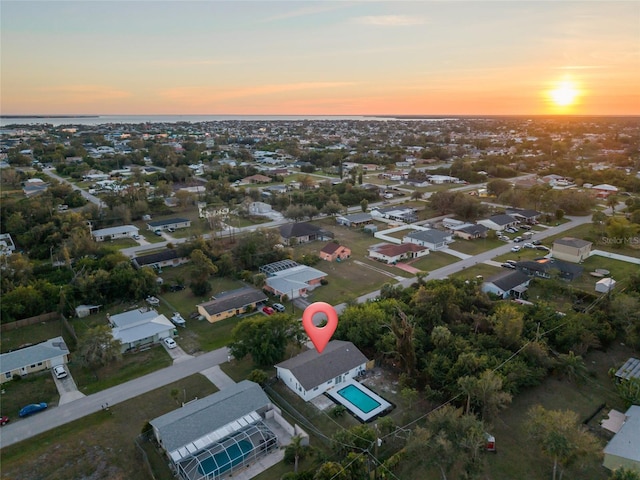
x=564, y=94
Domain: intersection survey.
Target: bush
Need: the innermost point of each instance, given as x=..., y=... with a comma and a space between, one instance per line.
x=324, y=281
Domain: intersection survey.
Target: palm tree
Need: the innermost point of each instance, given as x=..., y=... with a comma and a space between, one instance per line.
x=297, y=450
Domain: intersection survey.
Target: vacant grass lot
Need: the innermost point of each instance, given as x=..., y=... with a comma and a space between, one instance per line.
x=474, y=247
x=487, y=271
x=132, y=365
x=433, y=261
x=100, y=445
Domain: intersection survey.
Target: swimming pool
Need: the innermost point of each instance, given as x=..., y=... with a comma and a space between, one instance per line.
x=359, y=400
x=226, y=459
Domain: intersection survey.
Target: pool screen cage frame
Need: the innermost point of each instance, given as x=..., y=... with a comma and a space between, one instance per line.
x=262, y=439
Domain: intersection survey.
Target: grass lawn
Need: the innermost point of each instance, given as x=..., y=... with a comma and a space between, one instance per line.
x=33, y=388
x=101, y=445
x=487, y=271
x=474, y=247
x=131, y=366
x=587, y=232
x=433, y=261
x=620, y=271
x=32, y=334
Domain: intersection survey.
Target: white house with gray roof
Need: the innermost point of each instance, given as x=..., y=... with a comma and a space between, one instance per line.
x=213, y=437
x=140, y=328
x=291, y=279
x=35, y=358
x=432, y=239
x=311, y=374
x=623, y=450
x=112, y=233
x=499, y=222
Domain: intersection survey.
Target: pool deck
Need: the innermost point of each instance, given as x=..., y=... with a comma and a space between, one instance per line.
x=362, y=416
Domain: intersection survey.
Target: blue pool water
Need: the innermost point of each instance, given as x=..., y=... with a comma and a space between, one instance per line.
x=359, y=398
x=225, y=460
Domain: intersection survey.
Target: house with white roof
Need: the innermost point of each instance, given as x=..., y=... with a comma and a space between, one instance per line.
x=604, y=190
x=113, y=233
x=7, y=247
x=623, y=449
x=499, y=222
x=291, y=279
x=140, y=328
x=34, y=358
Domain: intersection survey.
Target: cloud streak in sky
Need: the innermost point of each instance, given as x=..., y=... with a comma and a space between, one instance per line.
x=390, y=20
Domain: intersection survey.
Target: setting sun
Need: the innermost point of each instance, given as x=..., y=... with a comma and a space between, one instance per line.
x=564, y=94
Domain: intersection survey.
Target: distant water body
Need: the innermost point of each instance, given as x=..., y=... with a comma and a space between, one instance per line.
x=58, y=120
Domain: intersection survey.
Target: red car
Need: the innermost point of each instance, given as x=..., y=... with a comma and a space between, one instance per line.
x=4, y=420
x=268, y=310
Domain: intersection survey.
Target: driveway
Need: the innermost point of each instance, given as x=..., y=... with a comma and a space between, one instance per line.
x=177, y=354
x=67, y=388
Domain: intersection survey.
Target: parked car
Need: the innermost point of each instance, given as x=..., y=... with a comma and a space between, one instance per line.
x=278, y=307
x=176, y=288
x=512, y=262
x=59, y=371
x=268, y=310
x=511, y=230
x=136, y=237
x=525, y=227
x=31, y=409
x=170, y=342
x=153, y=301
x=4, y=420
x=171, y=229
x=529, y=245
x=158, y=232
x=517, y=239
x=536, y=242
x=504, y=238
x=516, y=248
x=508, y=265
x=543, y=248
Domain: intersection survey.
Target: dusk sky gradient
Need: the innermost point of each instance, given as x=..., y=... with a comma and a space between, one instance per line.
x=318, y=58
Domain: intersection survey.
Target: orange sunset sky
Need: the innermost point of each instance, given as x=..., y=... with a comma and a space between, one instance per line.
x=320, y=58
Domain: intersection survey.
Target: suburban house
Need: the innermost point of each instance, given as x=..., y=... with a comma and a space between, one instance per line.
x=451, y=223
x=571, y=249
x=295, y=233
x=623, y=450
x=508, y=284
x=42, y=356
x=229, y=304
x=256, y=179
x=259, y=208
x=548, y=267
x=524, y=216
x=470, y=231
x=140, y=328
x=432, y=239
x=310, y=373
x=7, y=247
x=334, y=252
x=169, y=223
x=213, y=437
x=390, y=253
x=163, y=258
x=604, y=190
x=287, y=277
x=113, y=233
x=396, y=213
x=499, y=222
x=354, y=220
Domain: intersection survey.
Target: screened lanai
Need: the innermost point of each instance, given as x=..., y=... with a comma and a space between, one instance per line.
x=222, y=457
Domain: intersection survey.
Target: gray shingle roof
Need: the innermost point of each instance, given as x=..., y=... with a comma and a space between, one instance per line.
x=151, y=258
x=625, y=443
x=234, y=299
x=196, y=419
x=506, y=281
x=312, y=368
x=430, y=236
x=572, y=242
x=169, y=221
x=41, y=352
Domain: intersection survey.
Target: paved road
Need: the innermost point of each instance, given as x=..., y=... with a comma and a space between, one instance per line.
x=20, y=430
x=84, y=193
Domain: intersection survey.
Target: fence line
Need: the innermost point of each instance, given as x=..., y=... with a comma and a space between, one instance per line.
x=44, y=317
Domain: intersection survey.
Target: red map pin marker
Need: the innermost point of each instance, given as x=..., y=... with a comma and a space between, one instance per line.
x=320, y=336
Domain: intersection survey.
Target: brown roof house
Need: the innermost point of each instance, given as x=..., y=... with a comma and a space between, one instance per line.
x=571, y=249
x=335, y=252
